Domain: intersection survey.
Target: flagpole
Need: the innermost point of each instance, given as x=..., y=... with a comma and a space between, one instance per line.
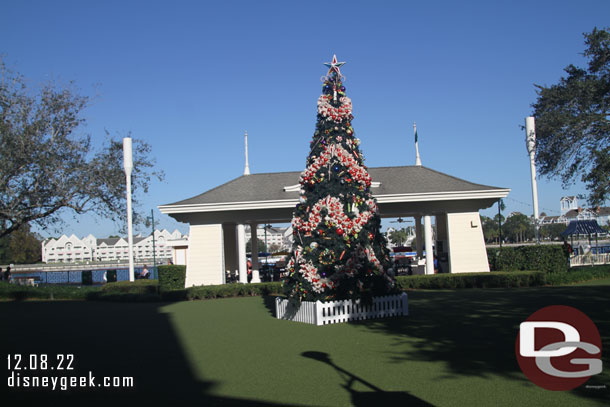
x=128, y=166
x=417, y=159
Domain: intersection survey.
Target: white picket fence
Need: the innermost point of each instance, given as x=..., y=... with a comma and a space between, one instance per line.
x=590, y=259
x=333, y=312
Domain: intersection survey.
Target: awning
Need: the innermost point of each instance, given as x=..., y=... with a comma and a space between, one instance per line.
x=582, y=227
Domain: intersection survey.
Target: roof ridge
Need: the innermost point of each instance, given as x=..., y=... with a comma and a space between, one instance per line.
x=280, y=172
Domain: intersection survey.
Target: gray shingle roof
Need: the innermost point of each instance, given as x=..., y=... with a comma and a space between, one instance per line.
x=603, y=211
x=394, y=180
x=110, y=241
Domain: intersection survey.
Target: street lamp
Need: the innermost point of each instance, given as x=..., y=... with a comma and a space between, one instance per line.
x=128, y=166
x=266, y=247
x=152, y=220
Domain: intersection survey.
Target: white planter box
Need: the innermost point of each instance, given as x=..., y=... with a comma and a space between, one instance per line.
x=332, y=312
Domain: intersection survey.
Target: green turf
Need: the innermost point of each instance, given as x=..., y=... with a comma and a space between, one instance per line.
x=455, y=348
x=601, y=281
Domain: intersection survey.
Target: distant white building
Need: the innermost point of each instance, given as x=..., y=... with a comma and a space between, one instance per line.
x=68, y=249
x=72, y=249
x=276, y=236
x=571, y=211
x=568, y=203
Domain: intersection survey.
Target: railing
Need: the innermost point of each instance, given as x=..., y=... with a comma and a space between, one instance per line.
x=102, y=265
x=98, y=276
x=332, y=312
x=589, y=259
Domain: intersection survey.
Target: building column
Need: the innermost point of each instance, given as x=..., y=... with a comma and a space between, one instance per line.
x=205, y=260
x=466, y=243
x=241, y=253
x=443, y=248
x=429, y=250
x=254, y=245
x=229, y=232
x=418, y=240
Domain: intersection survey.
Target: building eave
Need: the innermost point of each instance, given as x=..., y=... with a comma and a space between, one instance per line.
x=289, y=203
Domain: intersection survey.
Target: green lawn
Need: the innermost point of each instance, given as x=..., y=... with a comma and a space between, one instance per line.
x=601, y=281
x=456, y=348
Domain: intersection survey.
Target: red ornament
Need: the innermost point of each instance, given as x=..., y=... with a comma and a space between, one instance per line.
x=340, y=232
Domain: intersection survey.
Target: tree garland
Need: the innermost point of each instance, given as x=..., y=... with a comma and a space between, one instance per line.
x=336, y=114
x=309, y=272
x=336, y=217
x=358, y=173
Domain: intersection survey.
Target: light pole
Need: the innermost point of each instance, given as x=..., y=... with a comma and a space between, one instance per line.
x=128, y=166
x=500, y=208
x=530, y=143
x=266, y=247
x=152, y=219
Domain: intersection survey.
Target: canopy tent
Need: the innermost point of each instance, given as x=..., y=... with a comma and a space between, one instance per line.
x=582, y=227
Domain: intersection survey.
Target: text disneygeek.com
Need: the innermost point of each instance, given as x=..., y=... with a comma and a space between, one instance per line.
x=20, y=366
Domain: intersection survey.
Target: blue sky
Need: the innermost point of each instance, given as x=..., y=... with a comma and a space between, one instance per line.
x=190, y=77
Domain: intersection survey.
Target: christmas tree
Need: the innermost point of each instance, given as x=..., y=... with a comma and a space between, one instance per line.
x=338, y=250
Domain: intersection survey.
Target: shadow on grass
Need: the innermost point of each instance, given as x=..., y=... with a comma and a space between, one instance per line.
x=474, y=331
x=366, y=398
x=269, y=301
x=109, y=340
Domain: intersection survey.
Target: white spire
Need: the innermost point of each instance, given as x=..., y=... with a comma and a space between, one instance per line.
x=417, y=159
x=247, y=169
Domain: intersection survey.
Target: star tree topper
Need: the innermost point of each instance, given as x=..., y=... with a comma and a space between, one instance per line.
x=334, y=65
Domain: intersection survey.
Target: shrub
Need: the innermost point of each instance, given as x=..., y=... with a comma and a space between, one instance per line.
x=548, y=258
x=171, y=277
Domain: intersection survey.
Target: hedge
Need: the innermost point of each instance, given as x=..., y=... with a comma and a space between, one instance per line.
x=148, y=290
x=139, y=290
x=171, y=277
x=548, y=258
x=578, y=274
x=499, y=279
x=48, y=292
x=233, y=290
